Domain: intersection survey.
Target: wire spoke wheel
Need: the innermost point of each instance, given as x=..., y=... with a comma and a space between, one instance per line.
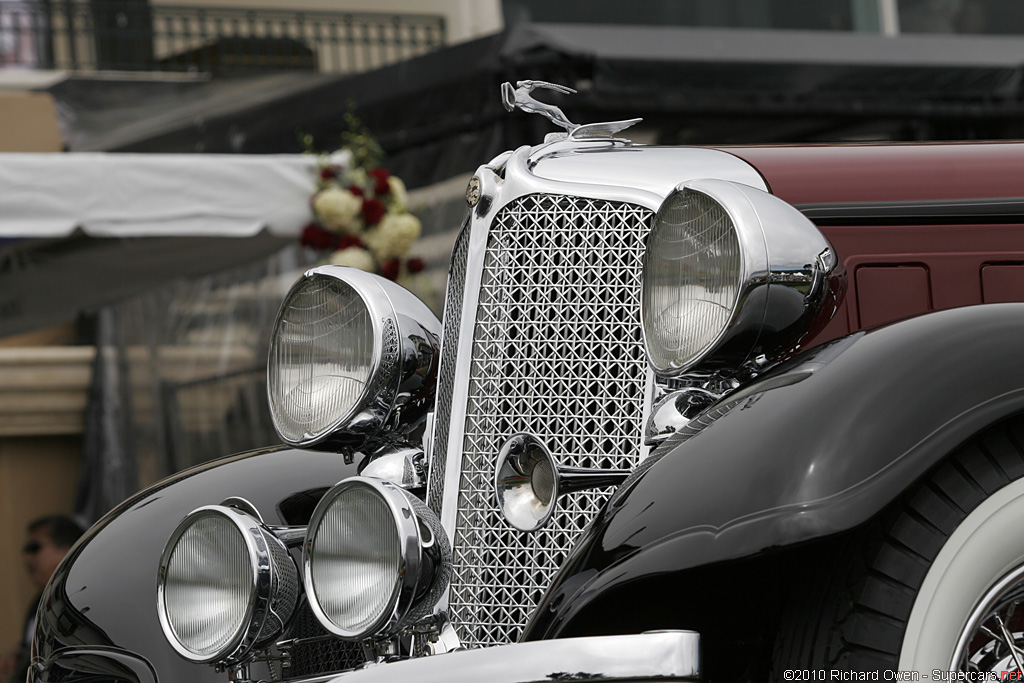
x=993, y=640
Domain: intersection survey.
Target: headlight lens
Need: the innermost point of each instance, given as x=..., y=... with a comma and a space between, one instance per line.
x=225, y=585
x=692, y=278
x=206, y=600
x=321, y=358
x=358, y=561
x=375, y=558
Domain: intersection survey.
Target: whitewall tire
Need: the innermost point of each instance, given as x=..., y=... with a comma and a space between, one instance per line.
x=985, y=548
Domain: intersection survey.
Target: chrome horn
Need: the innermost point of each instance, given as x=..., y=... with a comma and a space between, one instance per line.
x=528, y=482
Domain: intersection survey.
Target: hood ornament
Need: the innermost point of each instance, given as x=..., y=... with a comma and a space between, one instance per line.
x=520, y=97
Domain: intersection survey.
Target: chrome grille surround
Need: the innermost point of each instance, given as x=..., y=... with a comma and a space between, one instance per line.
x=446, y=374
x=557, y=351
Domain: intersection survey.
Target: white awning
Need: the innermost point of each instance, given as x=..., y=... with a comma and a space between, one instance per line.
x=154, y=195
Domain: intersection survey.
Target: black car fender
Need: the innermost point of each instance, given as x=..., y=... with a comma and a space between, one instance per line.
x=98, y=613
x=814, y=448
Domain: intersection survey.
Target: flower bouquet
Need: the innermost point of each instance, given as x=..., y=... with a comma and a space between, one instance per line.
x=360, y=211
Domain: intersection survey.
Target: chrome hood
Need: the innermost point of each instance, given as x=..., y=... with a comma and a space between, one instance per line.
x=618, y=163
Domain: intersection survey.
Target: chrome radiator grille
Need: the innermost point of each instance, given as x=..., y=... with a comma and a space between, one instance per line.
x=557, y=352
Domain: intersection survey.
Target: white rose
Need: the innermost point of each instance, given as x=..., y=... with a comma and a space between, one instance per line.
x=337, y=209
x=358, y=176
x=399, y=197
x=353, y=257
x=393, y=236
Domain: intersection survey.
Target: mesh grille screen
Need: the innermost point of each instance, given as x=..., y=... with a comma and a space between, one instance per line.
x=557, y=352
x=317, y=652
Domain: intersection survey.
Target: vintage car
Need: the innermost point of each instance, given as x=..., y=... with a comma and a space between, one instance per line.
x=736, y=414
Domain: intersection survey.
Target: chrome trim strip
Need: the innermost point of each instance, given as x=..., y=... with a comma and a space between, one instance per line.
x=520, y=180
x=657, y=655
x=439, y=428
x=478, y=231
x=928, y=211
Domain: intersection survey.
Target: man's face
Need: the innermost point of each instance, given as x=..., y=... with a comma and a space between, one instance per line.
x=41, y=556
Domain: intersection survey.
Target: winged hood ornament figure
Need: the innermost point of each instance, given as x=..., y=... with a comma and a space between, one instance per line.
x=520, y=97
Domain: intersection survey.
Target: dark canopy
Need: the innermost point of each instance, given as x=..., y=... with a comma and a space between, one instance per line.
x=439, y=115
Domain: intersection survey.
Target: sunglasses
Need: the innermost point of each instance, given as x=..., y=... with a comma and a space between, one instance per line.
x=32, y=547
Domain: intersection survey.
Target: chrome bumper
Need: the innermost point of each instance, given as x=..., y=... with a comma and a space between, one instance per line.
x=657, y=655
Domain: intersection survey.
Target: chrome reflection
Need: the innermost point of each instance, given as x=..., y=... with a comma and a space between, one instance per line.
x=401, y=464
x=675, y=410
x=528, y=482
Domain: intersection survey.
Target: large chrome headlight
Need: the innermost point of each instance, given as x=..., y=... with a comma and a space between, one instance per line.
x=226, y=586
x=376, y=559
x=351, y=354
x=730, y=273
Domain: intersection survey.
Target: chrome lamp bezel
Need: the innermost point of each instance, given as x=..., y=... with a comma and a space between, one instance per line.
x=789, y=280
x=421, y=539
x=403, y=374
x=267, y=578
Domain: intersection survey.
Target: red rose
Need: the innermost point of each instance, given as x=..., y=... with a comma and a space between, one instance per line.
x=328, y=173
x=380, y=176
x=373, y=211
x=415, y=265
x=390, y=269
x=316, y=237
x=347, y=241
x=356, y=190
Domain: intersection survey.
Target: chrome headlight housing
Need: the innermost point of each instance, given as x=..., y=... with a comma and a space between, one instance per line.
x=375, y=558
x=352, y=355
x=226, y=586
x=730, y=273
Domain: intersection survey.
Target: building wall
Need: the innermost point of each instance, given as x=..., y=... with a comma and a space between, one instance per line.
x=464, y=19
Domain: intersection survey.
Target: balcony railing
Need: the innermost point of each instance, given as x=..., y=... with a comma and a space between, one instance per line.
x=133, y=35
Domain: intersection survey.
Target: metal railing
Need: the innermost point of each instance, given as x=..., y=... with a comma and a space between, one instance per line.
x=134, y=35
